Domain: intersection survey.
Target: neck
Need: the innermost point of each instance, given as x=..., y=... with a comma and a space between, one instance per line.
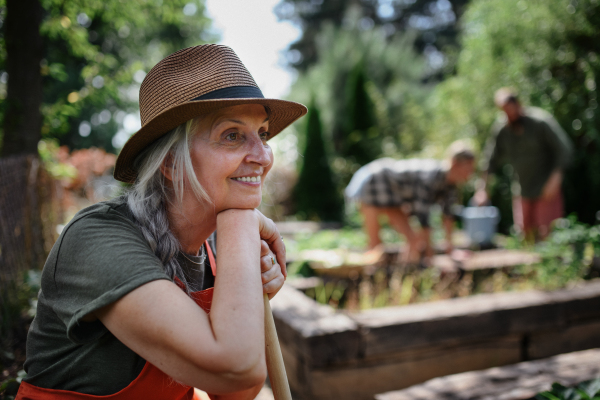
x=451, y=176
x=191, y=224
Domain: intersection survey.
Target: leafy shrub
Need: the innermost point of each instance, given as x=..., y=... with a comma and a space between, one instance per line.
x=588, y=390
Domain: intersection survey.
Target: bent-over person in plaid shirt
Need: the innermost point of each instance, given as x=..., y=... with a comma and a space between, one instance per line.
x=404, y=188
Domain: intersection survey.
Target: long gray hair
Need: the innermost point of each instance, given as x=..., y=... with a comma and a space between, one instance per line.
x=149, y=195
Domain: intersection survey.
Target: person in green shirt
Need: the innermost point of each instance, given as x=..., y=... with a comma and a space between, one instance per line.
x=538, y=150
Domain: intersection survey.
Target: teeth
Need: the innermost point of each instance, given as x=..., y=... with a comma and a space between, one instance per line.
x=248, y=179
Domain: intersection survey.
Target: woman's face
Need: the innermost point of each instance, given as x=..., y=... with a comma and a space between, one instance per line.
x=231, y=156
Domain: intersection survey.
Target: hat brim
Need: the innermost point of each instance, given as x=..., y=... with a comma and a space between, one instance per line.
x=282, y=113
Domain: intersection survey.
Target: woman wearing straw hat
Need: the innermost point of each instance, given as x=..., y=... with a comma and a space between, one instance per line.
x=132, y=304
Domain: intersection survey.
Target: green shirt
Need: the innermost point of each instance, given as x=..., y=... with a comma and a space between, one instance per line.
x=100, y=256
x=534, y=147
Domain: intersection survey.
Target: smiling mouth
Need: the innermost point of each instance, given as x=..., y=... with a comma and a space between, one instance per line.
x=247, y=179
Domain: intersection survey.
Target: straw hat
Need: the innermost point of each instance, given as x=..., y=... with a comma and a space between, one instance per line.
x=192, y=82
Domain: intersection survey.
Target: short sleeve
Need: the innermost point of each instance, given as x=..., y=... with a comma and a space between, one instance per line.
x=558, y=142
x=493, y=154
x=102, y=257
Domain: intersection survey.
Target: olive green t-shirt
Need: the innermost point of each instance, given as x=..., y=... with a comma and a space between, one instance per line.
x=535, y=146
x=100, y=256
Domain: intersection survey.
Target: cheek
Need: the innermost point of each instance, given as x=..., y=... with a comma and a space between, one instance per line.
x=271, y=157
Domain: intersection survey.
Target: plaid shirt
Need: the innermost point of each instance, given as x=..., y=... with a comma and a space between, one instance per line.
x=414, y=185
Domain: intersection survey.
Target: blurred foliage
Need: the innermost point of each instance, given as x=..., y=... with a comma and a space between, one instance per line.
x=571, y=254
x=549, y=52
x=368, y=88
x=96, y=55
x=588, y=390
x=369, y=81
x=18, y=305
x=435, y=23
x=316, y=194
x=48, y=150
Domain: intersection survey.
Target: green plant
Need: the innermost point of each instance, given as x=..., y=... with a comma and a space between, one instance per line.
x=18, y=303
x=10, y=386
x=315, y=194
x=48, y=150
x=588, y=390
x=328, y=293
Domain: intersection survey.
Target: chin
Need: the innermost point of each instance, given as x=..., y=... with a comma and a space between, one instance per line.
x=245, y=204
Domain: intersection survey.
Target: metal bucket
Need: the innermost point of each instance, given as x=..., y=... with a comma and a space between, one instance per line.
x=480, y=224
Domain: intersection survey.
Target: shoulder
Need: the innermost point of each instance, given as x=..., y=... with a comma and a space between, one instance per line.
x=101, y=235
x=499, y=126
x=416, y=165
x=540, y=117
x=538, y=114
x=104, y=216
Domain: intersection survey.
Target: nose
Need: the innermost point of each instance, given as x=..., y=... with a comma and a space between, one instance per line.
x=259, y=152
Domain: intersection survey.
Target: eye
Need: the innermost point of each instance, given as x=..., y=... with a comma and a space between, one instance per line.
x=264, y=136
x=232, y=136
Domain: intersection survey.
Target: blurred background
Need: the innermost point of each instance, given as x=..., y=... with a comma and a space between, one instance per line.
x=381, y=78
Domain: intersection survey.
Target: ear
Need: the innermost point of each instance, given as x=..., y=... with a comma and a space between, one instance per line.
x=167, y=167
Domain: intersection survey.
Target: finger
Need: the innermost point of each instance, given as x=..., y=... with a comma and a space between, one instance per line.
x=278, y=247
x=273, y=286
x=267, y=262
x=267, y=228
x=270, y=234
x=264, y=248
x=271, y=274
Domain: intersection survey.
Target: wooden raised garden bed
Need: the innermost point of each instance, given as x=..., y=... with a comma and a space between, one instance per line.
x=355, y=355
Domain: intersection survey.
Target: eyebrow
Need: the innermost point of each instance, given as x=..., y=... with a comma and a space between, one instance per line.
x=237, y=121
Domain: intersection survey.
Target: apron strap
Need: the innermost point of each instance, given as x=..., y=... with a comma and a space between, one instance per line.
x=211, y=259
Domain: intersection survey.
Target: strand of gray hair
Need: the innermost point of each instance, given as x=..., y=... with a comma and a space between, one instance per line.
x=147, y=200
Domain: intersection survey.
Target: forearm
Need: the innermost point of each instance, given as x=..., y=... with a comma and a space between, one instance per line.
x=482, y=182
x=222, y=352
x=552, y=186
x=481, y=196
x=249, y=394
x=237, y=314
x=556, y=176
x=448, y=223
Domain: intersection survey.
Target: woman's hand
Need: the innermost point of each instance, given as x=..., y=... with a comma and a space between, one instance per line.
x=270, y=235
x=271, y=272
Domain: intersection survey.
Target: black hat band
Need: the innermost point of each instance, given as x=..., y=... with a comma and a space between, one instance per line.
x=233, y=92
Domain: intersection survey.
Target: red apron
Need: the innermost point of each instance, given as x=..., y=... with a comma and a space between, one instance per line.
x=151, y=383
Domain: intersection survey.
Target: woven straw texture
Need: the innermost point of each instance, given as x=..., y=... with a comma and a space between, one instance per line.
x=167, y=92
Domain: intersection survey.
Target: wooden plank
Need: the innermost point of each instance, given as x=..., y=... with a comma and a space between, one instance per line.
x=573, y=338
x=364, y=381
x=514, y=382
x=487, y=259
x=315, y=332
x=396, y=328
x=456, y=320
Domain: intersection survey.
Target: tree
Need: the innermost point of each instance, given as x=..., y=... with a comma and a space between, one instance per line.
x=358, y=140
x=95, y=54
x=435, y=21
x=316, y=193
x=23, y=49
x=549, y=51
x=368, y=88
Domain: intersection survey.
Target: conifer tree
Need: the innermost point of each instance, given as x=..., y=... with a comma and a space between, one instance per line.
x=316, y=194
x=358, y=139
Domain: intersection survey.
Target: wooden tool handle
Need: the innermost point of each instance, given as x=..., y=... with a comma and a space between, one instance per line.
x=275, y=367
